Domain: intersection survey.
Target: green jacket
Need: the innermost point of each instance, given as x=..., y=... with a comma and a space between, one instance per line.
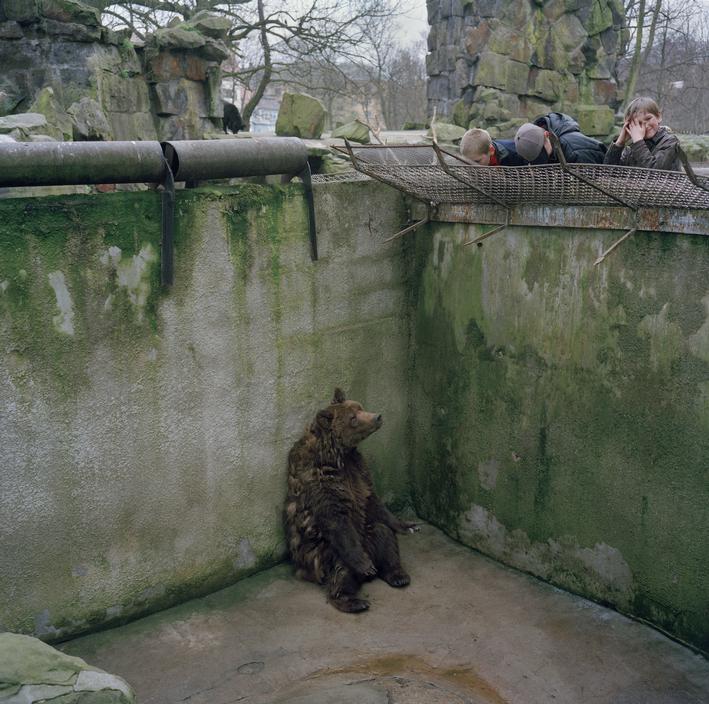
x=658, y=152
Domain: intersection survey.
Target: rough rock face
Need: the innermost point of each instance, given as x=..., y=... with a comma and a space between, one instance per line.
x=182, y=65
x=353, y=131
x=499, y=63
x=301, y=116
x=32, y=671
x=55, y=54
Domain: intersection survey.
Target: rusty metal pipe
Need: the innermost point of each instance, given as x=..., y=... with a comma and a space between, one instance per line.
x=195, y=160
x=77, y=163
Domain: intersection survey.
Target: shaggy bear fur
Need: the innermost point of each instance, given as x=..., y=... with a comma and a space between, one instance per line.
x=339, y=533
x=231, y=121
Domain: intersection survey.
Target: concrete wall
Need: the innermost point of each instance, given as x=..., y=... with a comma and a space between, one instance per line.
x=548, y=413
x=560, y=412
x=144, y=433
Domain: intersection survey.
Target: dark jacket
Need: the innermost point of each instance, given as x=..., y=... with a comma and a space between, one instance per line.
x=658, y=152
x=506, y=154
x=577, y=147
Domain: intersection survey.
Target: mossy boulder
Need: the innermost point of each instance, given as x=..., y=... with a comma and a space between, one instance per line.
x=462, y=113
x=696, y=147
x=334, y=164
x=89, y=123
x=22, y=11
x=517, y=77
x=476, y=38
x=210, y=25
x=354, y=131
x=178, y=38
x=32, y=672
x=187, y=37
x=505, y=129
x=491, y=70
x=547, y=85
x=71, y=11
x=59, y=122
x=595, y=120
x=600, y=18
x=533, y=108
x=445, y=132
x=537, y=50
x=11, y=95
x=510, y=42
x=24, y=124
x=300, y=115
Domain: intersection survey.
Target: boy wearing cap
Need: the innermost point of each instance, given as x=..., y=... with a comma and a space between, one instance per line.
x=479, y=148
x=533, y=144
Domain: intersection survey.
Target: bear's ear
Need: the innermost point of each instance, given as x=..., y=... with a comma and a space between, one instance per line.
x=339, y=396
x=324, y=419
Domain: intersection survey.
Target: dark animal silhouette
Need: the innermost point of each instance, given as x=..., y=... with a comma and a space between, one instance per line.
x=339, y=532
x=232, y=121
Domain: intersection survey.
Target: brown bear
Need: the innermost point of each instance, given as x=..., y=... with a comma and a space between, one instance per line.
x=339, y=532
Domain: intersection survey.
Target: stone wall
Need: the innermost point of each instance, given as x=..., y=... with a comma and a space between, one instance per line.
x=499, y=63
x=560, y=411
x=91, y=83
x=145, y=432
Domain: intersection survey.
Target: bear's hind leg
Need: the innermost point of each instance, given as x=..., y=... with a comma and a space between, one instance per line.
x=384, y=551
x=342, y=589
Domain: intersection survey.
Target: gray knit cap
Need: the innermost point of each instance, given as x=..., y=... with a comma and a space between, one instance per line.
x=529, y=141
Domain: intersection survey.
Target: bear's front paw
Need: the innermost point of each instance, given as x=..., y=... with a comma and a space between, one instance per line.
x=350, y=605
x=365, y=568
x=397, y=579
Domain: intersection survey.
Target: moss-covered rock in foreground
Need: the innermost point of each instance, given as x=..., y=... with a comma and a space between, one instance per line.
x=32, y=671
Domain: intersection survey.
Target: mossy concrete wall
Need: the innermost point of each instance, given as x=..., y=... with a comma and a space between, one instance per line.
x=552, y=414
x=144, y=432
x=560, y=411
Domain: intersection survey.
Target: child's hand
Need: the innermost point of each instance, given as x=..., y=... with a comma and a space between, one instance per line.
x=624, y=136
x=636, y=130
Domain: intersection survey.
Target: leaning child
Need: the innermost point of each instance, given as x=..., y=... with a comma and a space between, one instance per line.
x=643, y=141
x=477, y=147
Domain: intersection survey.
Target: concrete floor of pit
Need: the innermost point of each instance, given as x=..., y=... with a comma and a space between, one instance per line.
x=466, y=631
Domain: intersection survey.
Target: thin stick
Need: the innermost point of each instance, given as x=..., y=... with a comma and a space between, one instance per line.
x=487, y=234
x=375, y=133
x=410, y=228
x=614, y=245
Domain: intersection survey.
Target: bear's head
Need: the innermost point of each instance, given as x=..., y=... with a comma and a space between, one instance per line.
x=347, y=421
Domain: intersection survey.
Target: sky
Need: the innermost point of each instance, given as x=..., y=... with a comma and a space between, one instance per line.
x=414, y=22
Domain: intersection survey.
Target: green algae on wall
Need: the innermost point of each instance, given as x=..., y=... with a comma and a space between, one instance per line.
x=145, y=429
x=70, y=272
x=567, y=408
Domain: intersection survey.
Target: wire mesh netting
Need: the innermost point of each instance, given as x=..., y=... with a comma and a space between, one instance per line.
x=350, y=175
x=437, y=176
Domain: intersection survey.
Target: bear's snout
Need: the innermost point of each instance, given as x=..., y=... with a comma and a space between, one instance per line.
x=378, y=421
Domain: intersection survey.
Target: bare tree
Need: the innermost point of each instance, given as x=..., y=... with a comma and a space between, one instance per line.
x=406, y=86
x=667, y=58
x=281, y=33
x=643, y=16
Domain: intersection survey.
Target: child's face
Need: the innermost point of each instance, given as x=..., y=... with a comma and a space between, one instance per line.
x=479, y=159
x=649, y=121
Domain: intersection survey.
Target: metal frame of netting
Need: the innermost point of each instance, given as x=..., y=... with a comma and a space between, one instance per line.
x=350, y=175
x=434, y=175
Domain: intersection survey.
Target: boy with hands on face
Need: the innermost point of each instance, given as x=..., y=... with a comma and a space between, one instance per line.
x=643, y=141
